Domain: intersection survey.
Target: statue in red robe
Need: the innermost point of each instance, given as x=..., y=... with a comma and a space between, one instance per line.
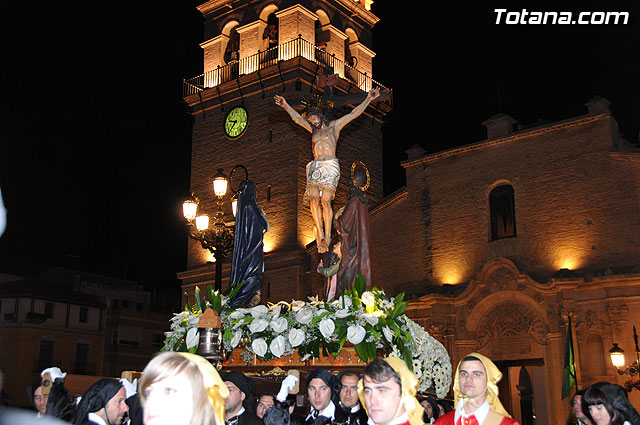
x=352, y=224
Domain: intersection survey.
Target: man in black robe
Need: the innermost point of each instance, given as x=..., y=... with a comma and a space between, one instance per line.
x=238, y=406
x=104, y=403
x=322, y=390
x=349, y=400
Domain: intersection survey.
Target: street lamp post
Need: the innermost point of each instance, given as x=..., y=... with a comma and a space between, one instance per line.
x=218, y=239
x=617, y=358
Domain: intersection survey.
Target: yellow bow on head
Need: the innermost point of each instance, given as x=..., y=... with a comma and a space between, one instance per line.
x=217, y=390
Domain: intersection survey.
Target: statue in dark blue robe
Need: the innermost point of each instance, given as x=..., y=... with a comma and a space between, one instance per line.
x=247, y=263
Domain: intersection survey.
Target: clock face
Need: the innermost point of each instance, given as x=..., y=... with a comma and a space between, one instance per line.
x=236, y=122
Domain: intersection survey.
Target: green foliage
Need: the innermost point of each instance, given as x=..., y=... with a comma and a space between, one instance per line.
x=360, y=285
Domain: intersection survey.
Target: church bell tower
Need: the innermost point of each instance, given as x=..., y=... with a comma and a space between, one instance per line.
x=253, y=50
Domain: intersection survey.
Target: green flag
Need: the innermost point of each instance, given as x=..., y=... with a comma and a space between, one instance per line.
x=569, y=373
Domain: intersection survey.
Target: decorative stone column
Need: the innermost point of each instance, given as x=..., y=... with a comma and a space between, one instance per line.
x=250, y=42
x=293, y=22
x=364, y=57
x=213, y=58
x=333, y=44
x=554, y=361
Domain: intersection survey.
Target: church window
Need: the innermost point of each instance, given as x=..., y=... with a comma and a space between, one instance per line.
x=503, y=212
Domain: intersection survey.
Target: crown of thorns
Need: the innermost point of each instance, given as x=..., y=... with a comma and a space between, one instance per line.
x=315, y=104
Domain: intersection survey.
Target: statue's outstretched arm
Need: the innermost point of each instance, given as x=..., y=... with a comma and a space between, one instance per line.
x=357, y=111
x=295, y=116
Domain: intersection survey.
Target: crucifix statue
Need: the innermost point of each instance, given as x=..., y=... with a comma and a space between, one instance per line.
x=323, y=173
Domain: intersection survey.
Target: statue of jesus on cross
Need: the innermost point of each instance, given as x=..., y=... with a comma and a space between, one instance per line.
x=323, y=173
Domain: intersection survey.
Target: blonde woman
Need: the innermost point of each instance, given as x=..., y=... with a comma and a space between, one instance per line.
x=182, y=388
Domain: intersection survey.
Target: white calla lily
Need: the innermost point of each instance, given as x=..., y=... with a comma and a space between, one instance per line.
x=259, y=311
x=279, y=325
x=388, y=333
x=345, y=301
x=275, y=311
x=237, y=314
x=259, y=346
x=341, y=314
x=304, y=316
x=258, y=325
x=235, y=340
x=192, y=338
x=326, y=326
x=296, y=337
x=277, y=346
x=355, y=334
x=370, y=319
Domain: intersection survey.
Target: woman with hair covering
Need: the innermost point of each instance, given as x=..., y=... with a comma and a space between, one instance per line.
x=607, y=404
x=182, y=388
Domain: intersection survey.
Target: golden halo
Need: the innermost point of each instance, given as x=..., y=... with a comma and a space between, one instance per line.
x=316, y=101
x=353, y=177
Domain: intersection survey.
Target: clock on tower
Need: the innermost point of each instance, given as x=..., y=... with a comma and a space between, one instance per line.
x=235, y=123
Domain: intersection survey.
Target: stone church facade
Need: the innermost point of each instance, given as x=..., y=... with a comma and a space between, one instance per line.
x=500, y=242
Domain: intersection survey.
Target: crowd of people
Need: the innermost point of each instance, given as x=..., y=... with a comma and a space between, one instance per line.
x=184, y=388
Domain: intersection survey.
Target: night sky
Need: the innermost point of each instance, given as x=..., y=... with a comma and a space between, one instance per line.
x=95, y=140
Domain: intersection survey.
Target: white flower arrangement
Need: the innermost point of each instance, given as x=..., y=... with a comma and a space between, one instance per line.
x=367, y=319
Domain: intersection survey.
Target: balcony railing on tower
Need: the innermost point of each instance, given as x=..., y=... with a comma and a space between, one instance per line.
x=291, y=49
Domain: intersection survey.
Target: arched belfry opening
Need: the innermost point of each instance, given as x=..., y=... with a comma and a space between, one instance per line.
x=270, y=33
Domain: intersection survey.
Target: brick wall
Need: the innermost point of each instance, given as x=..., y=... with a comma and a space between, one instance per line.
x=397, y=248
x=576, y=205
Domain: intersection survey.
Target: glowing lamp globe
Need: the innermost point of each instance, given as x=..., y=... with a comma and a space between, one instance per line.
x=220, y=183
x=190, y=209
x=234, y=205
x=617, y=356
x=202, y=222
